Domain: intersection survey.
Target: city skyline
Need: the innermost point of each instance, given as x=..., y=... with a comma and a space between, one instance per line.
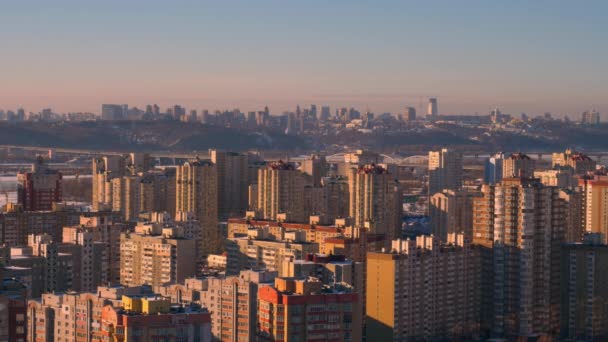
x=533, y=58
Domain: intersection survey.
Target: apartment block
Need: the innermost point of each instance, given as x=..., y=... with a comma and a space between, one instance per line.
x=451, y=211
x=280, y=190
x=518, y=165
x=155, y=254
x=196, y=192
x=153, y=318
x=584, y=296
x=423, y=289
x=519, y=226
x=232, y=181
x=375, y=196
x=258, y=251
x=305, y=310
x=594, y=190
x=232, y=302
x=578, y=162
x=16, y=224
x=445, y=170
x=13, y=303
x=39, y=188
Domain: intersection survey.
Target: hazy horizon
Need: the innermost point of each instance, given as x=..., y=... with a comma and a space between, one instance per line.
x=546, y=56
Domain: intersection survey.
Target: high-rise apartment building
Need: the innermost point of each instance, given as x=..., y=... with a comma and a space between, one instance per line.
x=306, y=310
x=573, y=200
x=232, y=302
x=422, y=290
x=126, y=196
x=232, y=181
x=316, y=167
x=41, y=266
x=133, y=192
x=594, y=191
x=104, y=170
x=578, y=162
x=452, y=212
x=155, y=255
x=280, y=190
x=584, y=293
x=518, y=165
x=90, y=267
x=560, y=178
x=519, y=225
x=375, y=197
x=105, y=231
x=16, y=224
x=334, y=200
x=445, y=170
x=493, y=169
x=197, y=192
x=157, y=191
x=39, y=188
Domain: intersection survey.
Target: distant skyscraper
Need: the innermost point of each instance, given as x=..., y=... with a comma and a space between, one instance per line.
x=325, y=113
x=113, y=112
x=410, y=114
x=493, y=169
x=432, y=109
x=590, y=118
x=445, y=170
x=313, y=111
x=291, y=123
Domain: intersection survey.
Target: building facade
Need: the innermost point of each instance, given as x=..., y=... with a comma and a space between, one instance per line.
x=39, y=188
x=445, y=170
x=519, y=226
x=423, y=290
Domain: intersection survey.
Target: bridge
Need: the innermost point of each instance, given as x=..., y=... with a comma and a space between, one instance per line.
x=414, y=160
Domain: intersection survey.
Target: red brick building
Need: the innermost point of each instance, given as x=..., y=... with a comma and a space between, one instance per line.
x=39, y=188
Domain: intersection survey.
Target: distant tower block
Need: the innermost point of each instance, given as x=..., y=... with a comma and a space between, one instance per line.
x=410, y=113
x=432, y=108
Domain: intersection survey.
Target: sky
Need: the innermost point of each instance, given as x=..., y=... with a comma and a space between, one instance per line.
x=519, y=56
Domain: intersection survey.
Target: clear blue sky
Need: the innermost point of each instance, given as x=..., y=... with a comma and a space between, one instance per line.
x=522, y=56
